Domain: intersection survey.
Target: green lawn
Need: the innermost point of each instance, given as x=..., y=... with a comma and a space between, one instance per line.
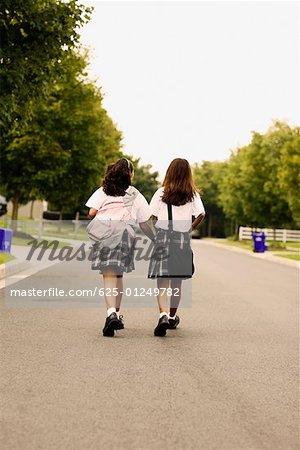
x=296, y=245
x=81, y=235
x=248, y=245
x=295, y=257
x=22, y=241
x=5, y=257
x=66, y=229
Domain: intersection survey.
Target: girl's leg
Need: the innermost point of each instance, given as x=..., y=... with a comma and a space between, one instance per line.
x=176, y=284
x=120, y=289
x=162, y=297
x=112, y=322
x=110, y=281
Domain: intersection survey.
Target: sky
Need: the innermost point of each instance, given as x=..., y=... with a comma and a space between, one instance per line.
x=193, y=79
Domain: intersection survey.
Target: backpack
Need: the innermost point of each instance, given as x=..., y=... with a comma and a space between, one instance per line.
x=112, y=219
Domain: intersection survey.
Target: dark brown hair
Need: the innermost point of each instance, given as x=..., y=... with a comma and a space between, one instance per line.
x=117, y=178
x=179, y=187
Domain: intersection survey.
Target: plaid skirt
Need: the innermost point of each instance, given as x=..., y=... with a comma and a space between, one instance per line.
x=161, y=264
x=119, y=259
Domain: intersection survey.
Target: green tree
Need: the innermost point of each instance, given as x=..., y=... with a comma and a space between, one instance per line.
x=289, y=174
x=145, y=180
x=36, y=35
x=73, y=135
x=32, y=161
x=233, y=188
x=75, y=118
x=250, y=190
x=265, y=203
x=208, y=177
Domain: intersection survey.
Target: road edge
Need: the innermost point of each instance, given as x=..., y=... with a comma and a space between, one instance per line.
x=262, y=256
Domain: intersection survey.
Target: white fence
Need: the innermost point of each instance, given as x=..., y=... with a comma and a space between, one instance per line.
x=39, y=227
x=281, y=235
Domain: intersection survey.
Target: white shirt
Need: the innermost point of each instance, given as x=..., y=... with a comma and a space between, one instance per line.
x=182, y=215
x=140, y=209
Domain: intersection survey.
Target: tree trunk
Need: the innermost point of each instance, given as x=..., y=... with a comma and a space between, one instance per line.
x=15, y=209
x=14, y=215
x=209, y=225
x=231, y=227
x=31, y=209
x=236, y=226
x=59, y=221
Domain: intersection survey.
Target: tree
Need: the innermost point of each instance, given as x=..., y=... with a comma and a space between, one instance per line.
x=67, y=144
x=32, y=163
x=289, y=174
x=76, y=120
x=232, y=187
x=145, y=180
x=208, y=177
x=251, y=190
x=266, y=203
x=36, y=35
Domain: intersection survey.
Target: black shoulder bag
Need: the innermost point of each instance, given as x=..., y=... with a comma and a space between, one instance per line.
x=180, y=264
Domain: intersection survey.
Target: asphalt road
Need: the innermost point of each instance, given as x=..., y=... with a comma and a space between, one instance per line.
x=227, y=378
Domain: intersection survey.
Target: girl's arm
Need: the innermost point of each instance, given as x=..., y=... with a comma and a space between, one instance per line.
x=198, y=220
x=148, y=230
x=154, y=219
x=92, y=212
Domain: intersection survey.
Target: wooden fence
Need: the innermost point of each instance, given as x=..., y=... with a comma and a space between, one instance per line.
x=281, y=234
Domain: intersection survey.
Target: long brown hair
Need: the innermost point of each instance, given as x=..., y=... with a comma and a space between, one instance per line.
x=179, y=187
x=118, y=177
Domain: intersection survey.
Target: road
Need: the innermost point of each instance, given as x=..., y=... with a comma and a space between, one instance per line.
x=227, y=378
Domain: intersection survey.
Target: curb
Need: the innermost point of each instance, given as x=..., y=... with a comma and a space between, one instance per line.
x=12, y=267
x=262, y=256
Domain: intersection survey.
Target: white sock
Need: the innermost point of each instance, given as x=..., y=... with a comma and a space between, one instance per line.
x=173, y=318
x=110, y=311
x=118, y=314
x=163, y=314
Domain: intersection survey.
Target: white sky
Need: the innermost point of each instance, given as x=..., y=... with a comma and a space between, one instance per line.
x=193, y=79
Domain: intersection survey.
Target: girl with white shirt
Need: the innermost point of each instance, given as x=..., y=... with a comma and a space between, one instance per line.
x=113, y=260
x=172, y=207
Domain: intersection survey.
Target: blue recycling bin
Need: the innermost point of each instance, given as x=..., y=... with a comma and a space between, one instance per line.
x=5, y=240
x=259, y=244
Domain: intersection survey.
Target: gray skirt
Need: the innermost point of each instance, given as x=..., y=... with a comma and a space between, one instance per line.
x=119, y=259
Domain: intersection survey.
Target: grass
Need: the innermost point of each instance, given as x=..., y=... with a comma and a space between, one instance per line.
x=50, y=229
x=295, y=257
x=5, y=257
x=8, y=216
x=296, y=245
x=22, y=241
x=81, y=234
x=248, y=245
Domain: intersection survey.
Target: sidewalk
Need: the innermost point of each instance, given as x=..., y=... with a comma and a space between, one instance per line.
x=268, y=256
x=12, y=271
